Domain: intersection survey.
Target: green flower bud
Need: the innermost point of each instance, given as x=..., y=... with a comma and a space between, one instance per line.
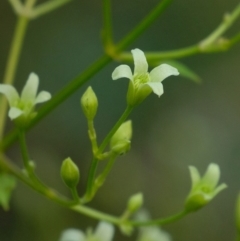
x=89, y=103
x=123, y=133
x=122, y=147
x=70, y=173
x=135, y=202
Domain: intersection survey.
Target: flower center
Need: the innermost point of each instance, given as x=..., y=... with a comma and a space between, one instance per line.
x=140, y=79
x=206, y=189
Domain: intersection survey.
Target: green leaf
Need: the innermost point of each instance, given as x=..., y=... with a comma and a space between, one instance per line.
x=184, y=70
x=7, y=184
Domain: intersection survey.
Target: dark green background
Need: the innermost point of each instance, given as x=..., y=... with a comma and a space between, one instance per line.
x=189, y=125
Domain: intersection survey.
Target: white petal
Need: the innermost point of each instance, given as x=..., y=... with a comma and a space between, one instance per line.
x=195, y=176
x=104, y=232
x=157, y=88
x=161, y=72
x=14, y=113
x=122, y=71
x=10, y=93
x=211, y=176
x=219, y=189
x=29, y=91
x=42, y=97
x=140, y=62
x=72, y=235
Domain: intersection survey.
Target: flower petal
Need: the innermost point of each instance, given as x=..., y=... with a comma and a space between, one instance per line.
x=122, y=71
x=10, y=93
x=43, y=96
x=104, y=232
x=195, y=176
x=161, y=72
x=29, y=91
x=212, y=175
x=72, y=235
x=14, y=113
x=140, y=62
x=219, y=189
x=157, y=88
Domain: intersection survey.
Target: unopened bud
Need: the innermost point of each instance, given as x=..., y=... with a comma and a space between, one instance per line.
x=89, y=103
x=70, y=173
x=122, y=147
x=124, y=133
x=135, y=202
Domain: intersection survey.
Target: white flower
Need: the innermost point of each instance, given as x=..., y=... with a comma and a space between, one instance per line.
x=142, y=83
x=103, y=232
x=203, y=189
x=24, y=105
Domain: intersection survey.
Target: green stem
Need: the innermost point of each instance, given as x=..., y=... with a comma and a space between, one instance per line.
x=11, y=66
x=124, y=116
x=94, y=163
x=144, y=24
x=47, y=7
x=7, y=166
x=92, y=136
x=161, y=221
x=75, y=195
x=163, y=55
x=228, y=20
x=24, y=151
x=29, y=4
x=102, y=177
x=107, y=23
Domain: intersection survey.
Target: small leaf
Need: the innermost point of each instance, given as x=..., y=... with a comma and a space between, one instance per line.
x=184, y=70
x=7, y=184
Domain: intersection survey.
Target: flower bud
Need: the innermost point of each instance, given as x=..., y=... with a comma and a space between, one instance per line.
x=122, y=147
x=124, y=133
x=89, y=103
x=70, y=173
x=135, y=202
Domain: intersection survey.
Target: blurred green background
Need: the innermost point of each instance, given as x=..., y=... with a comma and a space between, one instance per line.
x=190, y=124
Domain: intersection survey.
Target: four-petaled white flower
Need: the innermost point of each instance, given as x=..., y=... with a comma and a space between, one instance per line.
x=23, y=106
x=203, y=189
x=103, y=232
x=142, y=83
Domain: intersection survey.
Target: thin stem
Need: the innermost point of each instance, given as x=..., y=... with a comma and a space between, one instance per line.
x=7, y=166
x=102, y=177
x=11, y=66
x=30, y=3
x=24, y=151
x=94, y=163
x=107, y=23
x=47, y=7
x=92, y=136
x=161, y=221
x=75, y=194
x=163, y=55
x=124, y=116
x=143, y=25
x=228, y=20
